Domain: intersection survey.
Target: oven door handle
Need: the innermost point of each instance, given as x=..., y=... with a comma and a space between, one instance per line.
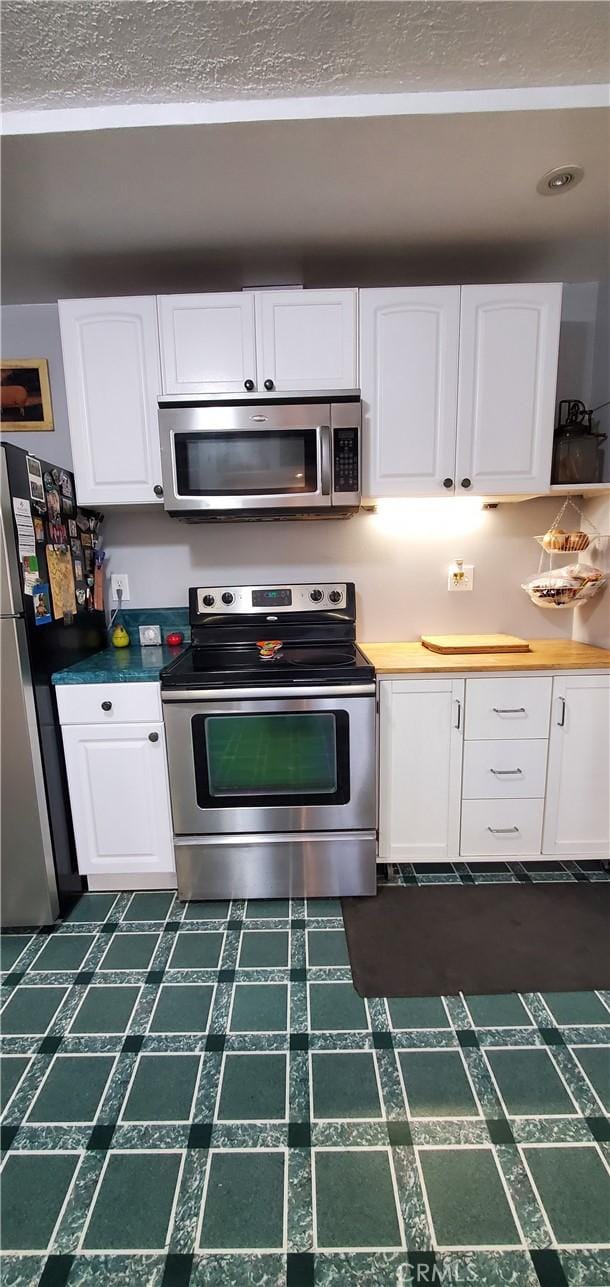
x=201, y=695
x=325, y=459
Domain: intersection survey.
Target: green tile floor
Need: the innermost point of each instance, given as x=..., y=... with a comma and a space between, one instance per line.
x=197, y=1095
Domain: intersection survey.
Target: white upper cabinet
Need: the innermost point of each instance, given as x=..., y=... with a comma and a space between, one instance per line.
x=409, y=370
x=207, y=342
x=509, y=341
x=289, y=340
x=577, y=814
x=306, y=339
x=113, y=378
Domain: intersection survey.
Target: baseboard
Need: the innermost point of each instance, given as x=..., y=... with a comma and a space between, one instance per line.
x=133, y=880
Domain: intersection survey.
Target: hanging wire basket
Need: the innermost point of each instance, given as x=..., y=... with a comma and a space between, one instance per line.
x=558, y=541
x=576, y=583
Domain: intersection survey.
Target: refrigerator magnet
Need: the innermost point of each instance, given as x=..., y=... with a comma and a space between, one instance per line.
x=72, y=528
x=35, y=482
x=39, y=535
x=31, y=573
x=42, y=604
x=65, y=486
x=78, y=570
x=58, y=533
x=53, y=504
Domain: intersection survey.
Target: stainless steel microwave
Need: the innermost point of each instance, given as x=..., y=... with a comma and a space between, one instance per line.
x=279, y=457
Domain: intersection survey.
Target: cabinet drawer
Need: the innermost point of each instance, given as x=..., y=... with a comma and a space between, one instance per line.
x=501, y=828
x=507, y=708
x=504, y=770
x=108, y=703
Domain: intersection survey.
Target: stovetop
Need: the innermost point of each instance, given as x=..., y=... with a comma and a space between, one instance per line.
x=316, y=624
x=225, y=667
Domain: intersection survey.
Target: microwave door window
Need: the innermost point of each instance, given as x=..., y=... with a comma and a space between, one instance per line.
x=257, y=463
x=271, y=759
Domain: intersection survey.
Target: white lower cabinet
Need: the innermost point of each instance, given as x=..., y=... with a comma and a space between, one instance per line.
x=420, y=760
x=118, y=779
x=577, y=814
x=494, y=784
x=501, y=828
x=119, y=797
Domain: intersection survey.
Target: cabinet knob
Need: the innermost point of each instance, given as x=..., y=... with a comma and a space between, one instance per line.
x=447, y=482
x=466, y=482
x=106, y=706
x=158, y=490
x=268, y=385
x=249, y=385
x=153, y=737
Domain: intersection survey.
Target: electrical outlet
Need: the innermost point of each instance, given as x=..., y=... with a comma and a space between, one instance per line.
x=461, y=583
x=119, y=581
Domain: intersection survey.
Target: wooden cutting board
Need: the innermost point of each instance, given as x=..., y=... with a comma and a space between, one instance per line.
x=450, y=645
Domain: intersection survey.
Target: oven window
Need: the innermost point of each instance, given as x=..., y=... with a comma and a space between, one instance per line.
x=272, y=759
x=249, y=463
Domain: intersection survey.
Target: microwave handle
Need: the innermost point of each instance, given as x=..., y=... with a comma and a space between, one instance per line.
x=325, y=459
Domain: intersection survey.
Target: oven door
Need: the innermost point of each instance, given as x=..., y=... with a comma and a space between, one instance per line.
x=264, y=763
x=251, y=457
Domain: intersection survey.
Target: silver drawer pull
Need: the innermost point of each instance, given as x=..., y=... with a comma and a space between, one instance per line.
x=508, y=710
x=502, y=831
x=502, y=773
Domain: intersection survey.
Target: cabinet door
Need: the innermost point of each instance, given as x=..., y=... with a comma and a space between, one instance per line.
x=306, y=339
x=420, y=763
x=577, y=814
x=119, y=796
x=113, y=378
x=509, y=341
x=207, y=342
x=408, y=370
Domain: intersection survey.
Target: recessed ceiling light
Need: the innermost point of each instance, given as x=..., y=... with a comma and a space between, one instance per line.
x=559, y=179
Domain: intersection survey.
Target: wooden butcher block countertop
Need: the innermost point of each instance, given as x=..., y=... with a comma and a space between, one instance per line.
x=411, y=658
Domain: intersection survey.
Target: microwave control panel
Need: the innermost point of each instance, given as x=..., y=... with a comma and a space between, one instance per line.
x=345, y=460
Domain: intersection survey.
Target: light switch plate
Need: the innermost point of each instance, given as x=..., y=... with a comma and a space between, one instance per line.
x=149, y=635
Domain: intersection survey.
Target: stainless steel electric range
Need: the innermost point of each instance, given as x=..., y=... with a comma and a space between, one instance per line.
x=270, y=723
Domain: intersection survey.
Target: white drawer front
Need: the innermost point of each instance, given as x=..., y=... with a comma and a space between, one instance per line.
x=507, y=708
x=501, y=828
x=506, y=770
x=108, y=703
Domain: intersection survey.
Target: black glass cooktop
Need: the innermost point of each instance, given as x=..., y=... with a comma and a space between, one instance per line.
x=243, y=665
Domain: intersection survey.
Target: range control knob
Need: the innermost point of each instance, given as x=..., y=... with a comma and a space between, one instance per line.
x=335, y=596
x=227, y=597
x=316, y=596
x=208, y=600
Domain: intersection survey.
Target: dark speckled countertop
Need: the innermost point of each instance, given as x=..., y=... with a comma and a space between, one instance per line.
x=133, y=665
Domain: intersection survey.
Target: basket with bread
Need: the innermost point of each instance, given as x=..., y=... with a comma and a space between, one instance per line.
x=557, y=539
x=565, y=587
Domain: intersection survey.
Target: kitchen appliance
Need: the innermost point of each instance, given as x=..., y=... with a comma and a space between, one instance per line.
x=578, y=449
x=38, y=861
x=279, y=457
x=272, y=752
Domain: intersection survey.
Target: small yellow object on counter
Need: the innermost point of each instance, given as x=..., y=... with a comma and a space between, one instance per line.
x=119, y=637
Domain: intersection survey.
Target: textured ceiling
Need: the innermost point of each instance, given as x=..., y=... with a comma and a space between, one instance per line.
x=394, y=199
x=58, y=54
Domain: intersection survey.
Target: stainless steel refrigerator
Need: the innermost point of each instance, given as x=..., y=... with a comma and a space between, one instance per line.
x=38, y=861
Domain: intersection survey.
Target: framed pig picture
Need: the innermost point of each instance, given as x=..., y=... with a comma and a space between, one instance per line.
x=25, y=395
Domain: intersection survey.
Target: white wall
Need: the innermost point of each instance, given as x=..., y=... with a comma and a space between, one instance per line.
x=32, y=331
x=401, y=577
x=592, y=621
